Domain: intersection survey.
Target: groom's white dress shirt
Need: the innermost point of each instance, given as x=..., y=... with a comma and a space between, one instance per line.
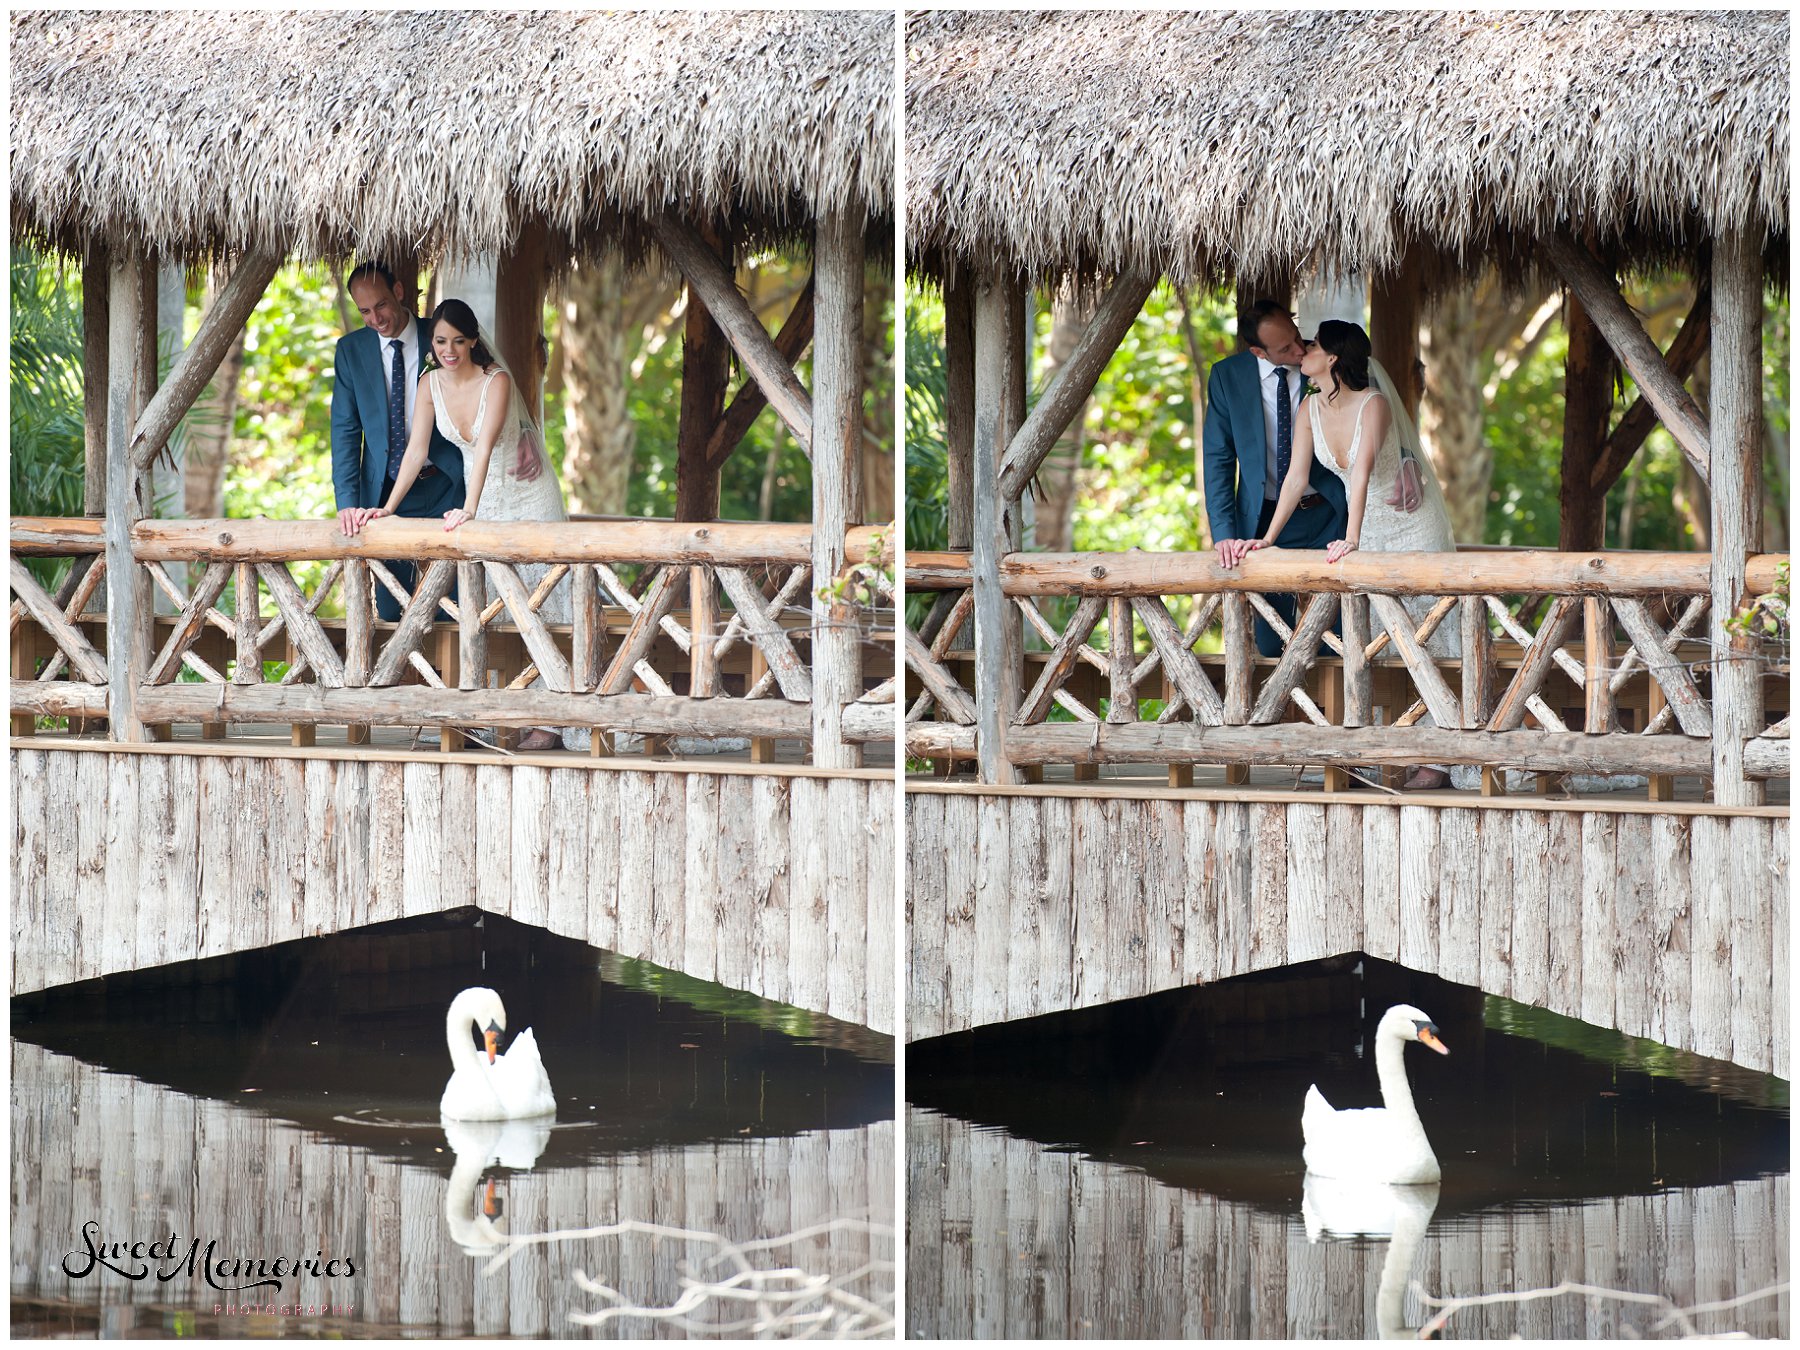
x=1265, y=372
x=409, y=353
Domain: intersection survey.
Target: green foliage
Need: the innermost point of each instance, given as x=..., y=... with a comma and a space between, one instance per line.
x=927, y=442
x=1767, y=615
x=46, y=436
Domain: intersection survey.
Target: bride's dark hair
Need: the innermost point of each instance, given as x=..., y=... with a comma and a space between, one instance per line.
x=1350, y=345
x=459, y=316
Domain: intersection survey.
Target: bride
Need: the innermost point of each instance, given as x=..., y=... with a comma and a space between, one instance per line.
x=504, y=464
x=1395, y=506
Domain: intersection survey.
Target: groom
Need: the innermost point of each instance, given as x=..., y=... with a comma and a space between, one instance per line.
x=1247, y=443
x=377, y=385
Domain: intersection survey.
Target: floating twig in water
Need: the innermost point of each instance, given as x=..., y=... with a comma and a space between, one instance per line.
x=1672, y=1315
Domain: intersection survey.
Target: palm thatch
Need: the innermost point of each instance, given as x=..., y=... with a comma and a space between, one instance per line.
x=431, y=132
x=1212, y=144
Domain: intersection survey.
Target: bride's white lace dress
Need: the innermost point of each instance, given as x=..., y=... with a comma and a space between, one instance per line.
x=1387, y=529
x=504, y=495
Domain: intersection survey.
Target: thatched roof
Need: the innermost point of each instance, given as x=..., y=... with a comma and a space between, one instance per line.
x=430, y=131
x=1207, y=144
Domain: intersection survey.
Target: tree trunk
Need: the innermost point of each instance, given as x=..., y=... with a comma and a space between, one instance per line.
x=1056, y=477
x=1450, y=412
x=598, y=434
x=1590, y=374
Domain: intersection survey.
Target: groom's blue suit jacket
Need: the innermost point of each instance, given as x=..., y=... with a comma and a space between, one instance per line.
x=359, y=434
x=1234, y=450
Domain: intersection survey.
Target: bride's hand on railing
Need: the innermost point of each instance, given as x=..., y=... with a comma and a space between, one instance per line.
x=1337, y=548
x=352, y=519
x=456, y=516
x=1233, y=551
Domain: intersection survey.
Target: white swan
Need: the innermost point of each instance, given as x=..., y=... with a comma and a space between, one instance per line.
x=1382, y=1143
x=1335, y=1208
x=512, y=1086
x=472, y=1211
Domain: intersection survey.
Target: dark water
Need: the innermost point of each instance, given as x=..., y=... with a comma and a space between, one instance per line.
x=286, y=1104
x=1136, y=1171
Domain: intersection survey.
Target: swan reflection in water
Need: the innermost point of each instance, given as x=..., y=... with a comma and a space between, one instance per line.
x=1345, y=1209
x=472, y=1210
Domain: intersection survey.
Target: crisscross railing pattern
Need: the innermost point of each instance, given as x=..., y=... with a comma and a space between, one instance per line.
x=1543, y=661
x=654, y=628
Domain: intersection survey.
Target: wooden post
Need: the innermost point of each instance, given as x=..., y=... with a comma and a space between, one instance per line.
x=1394, y=328
x=837, y=480
x=520, y=281
x=128, y=600
x=703, y=616
x=999, y=638
x=1589, y=372
x=359, y=635
x=959, y=407
x=705, y=371
x=1597, y=644
x=1736, y=437
x=145, y=372
x=96, y=295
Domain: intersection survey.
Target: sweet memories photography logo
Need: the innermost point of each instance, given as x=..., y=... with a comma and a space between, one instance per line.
x=165, y=1259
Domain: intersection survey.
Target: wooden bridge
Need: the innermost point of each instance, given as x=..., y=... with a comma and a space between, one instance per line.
x=774, y=878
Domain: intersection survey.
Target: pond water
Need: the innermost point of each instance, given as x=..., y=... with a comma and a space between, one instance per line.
x=1135, y=1171
x=284, y=1106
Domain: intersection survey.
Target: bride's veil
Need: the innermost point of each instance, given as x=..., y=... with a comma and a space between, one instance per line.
x=1408, y=433
x=518, y=414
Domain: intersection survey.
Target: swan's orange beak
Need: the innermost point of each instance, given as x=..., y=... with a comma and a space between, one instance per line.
x=490, y=1203
x=492, y=1037
x=1429, y=1036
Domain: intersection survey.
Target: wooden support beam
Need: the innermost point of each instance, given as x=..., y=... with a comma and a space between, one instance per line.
x=521, y=281
x=1036, y=704
x=430, y=587
x=1074, y=381
x=999, y=639
x=1478, y=670
x=717, y=288
x=1302, y=648
x=749, y=401
x=836, y=481
x=1669, y=674
x=1395, y=300
x=422, y=705
x=96, y=321
x=1597, y=643
x=128, y=602
x=1684, y=353
x=196, y=366
x=304, y=631
x=733, y=543
x=69, y=639
x=1600, y=297
x=1180, y=666
x=1121, y=661
x=1444, y=707
x=1302, y=743
x=1277, y=571
x=1510, y=711
x=705, y=372
x=1589, y=372
x=959, y=406
x=1736, y=495
x=951, y=698
x=359, y=621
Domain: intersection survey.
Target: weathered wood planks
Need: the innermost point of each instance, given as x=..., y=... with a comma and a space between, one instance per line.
x=780, y=885
x=1023, y=902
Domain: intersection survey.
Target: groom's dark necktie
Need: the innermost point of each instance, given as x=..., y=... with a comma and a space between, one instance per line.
x=396, y=411
x=1284, y=428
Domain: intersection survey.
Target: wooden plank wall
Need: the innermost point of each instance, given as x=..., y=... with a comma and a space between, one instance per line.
x=1008, y=1238
x=781, y=885
x=1665, y=924
x=274, y=1188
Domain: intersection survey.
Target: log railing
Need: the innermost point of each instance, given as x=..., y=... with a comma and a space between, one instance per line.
x=1543, y=661
x=701, y=629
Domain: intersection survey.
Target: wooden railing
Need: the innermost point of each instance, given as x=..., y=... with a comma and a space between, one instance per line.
x=677, y=629
x=1543, y=661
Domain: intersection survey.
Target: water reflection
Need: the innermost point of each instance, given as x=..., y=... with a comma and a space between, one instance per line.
x=289, y=1108
x=1136, y=1171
